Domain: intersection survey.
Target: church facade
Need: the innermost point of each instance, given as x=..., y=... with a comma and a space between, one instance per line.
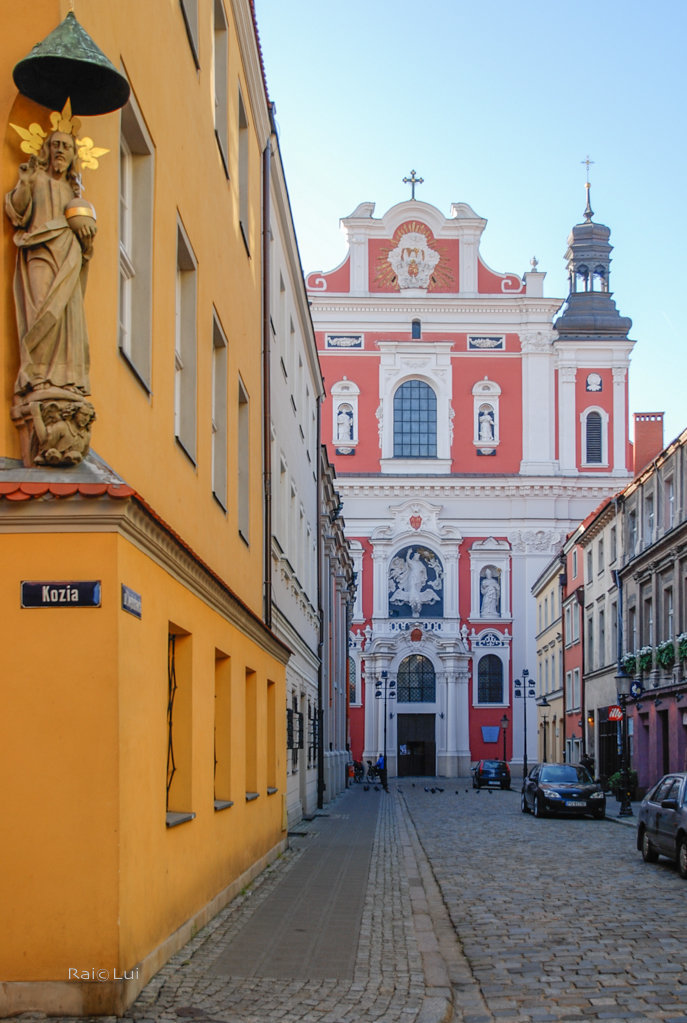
x=470, y=431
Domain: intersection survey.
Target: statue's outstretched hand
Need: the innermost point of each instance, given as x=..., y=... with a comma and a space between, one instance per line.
x=27, y=171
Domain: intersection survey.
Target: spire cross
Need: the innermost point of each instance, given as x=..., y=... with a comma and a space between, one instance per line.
x=588, y=162
x=589, y=212
x=413, y=181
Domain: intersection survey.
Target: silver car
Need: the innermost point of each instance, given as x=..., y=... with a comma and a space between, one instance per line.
x=662, y=821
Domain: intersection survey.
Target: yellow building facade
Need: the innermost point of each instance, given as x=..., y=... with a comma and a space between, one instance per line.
x=142, y=735
x=549, y=679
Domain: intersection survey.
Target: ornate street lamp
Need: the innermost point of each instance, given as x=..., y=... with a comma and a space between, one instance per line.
x=504, y=725
x=623, y=684
x=385, y=690
x=525, y=690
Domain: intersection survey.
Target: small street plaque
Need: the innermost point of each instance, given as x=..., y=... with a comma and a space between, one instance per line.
x=60, y=594
x=132, y=602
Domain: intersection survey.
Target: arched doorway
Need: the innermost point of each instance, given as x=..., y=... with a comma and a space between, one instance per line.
x=416, y=683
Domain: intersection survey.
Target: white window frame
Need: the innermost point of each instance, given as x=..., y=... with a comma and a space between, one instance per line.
x=136, y=202
x=419, y=360
x=219, y=413
x=185, y=345
x=221, y=80
x=604, y=438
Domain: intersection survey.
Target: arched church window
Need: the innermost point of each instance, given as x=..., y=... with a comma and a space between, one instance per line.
x=415, y=421
x=416, y=682
x=490, y=679
x=416, y=330
x=593, y=438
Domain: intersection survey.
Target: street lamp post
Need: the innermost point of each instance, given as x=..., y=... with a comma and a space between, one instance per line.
x=525, y=690
x=623, y=683
x=386, y=690
x=544, y=703
x=504, y=726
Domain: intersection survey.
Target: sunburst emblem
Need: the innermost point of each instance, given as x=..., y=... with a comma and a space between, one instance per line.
x=441, y=275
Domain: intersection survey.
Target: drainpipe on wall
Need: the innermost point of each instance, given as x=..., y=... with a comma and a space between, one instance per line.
x=320, y=642
x=266, y=388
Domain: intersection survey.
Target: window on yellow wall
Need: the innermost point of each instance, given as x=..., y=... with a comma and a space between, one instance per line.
x=219, y=413
x=136, y=193
x=220, y=62
x=223, y=748
x=189, y=9
x=179, y=702
x=251, y=734
x=185, y=342
x=244, y=173
x=271, y=738
x=244, y=462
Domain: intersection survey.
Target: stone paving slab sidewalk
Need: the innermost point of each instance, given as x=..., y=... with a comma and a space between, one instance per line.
x=399, y=958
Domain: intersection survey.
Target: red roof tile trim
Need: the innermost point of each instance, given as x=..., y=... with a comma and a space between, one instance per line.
x=23, y=491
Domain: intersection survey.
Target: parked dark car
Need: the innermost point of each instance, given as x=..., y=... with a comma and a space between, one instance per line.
x=662, y=822
x=491, y=772
x=562, y=789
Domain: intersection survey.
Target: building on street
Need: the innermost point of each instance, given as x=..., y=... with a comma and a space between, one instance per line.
x=653, y=577
x=471, y=432
x=144, y=738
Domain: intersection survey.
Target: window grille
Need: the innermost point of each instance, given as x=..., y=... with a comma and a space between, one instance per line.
x=416, y=682
x=415, y=421
x=490, y=679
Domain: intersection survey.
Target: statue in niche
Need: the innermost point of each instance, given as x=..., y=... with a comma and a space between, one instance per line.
x=409, y=581
x=490, y=590
x=486, y=423
x=55, y=229
x=344, y=423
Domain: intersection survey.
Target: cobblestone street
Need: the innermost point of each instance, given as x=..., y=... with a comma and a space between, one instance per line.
x=558, y=919
x=421, y=907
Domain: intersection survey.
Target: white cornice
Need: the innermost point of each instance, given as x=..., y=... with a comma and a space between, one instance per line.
x=452, y=487
x=396, y=305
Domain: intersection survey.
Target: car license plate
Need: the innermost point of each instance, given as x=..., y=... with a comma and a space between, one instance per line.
x=574, y=802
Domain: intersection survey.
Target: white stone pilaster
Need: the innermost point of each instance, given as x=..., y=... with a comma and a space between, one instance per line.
x=567, y=422
x=359, y=263
x=619, y=464
x=538, y=421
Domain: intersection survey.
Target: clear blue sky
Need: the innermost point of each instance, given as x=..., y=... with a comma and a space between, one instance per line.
x=496, y=104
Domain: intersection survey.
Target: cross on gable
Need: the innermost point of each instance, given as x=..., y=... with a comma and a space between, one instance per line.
x=413, y=181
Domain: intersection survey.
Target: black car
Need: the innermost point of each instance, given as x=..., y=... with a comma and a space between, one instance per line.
x=491, y=772
x=562, y=789
x=662, y=821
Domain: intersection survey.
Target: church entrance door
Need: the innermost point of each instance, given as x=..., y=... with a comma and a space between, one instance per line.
x=416, y=745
